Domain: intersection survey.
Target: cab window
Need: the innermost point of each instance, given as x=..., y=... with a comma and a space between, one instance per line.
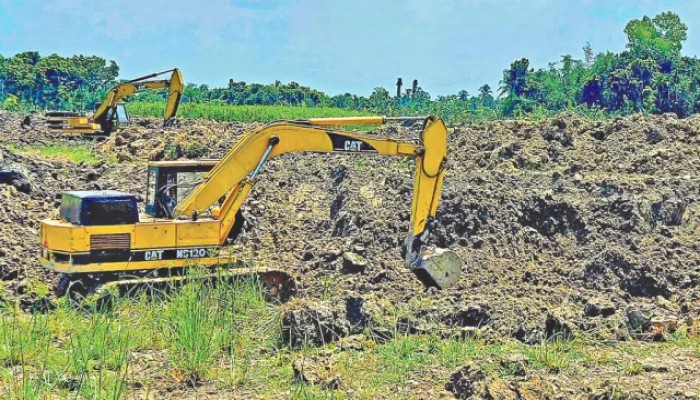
x=151, y=191
x=122, y=115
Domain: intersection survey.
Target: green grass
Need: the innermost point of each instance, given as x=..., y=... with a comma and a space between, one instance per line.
x=684, y=339
x=71, y=352
x=220, y=112
x=77, y=153
x=228, y=338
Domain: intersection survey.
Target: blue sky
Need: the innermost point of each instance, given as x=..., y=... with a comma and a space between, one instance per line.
x=334, y=46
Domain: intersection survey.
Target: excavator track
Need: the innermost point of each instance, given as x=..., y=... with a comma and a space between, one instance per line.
x=278, y=285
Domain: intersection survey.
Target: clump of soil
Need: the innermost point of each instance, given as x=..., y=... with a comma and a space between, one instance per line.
x=313, y=325
x=465, y=382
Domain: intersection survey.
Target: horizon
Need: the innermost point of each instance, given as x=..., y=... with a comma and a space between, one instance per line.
x=317, y=45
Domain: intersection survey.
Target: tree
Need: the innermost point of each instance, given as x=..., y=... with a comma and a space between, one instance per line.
x=515, y=78
x=379, y=99
x=588, y=55
x=55, y=81
x=486, y=96
x=661, y=36
x=671, y=30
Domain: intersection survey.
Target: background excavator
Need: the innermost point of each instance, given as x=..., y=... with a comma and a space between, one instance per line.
x=111, y=114
x=192, y=210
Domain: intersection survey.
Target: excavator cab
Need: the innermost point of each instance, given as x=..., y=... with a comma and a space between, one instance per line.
x=169, y=182
x=118, y=118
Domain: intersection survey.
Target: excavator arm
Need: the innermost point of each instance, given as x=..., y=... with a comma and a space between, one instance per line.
x=175, y=85
x=234, y=176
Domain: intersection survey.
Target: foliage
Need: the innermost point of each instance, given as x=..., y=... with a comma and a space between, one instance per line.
x=11, y=103
x=77, y=153
x=651, y=76
x=71, y=352
x=54, y=81
x=227, y=338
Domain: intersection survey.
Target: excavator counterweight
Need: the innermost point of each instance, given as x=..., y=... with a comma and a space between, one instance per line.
x=192, y=210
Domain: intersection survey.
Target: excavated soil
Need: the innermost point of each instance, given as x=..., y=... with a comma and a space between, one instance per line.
x=567, y=228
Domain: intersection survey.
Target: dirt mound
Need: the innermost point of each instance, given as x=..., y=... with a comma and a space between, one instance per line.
x=464, y=382
x=148, y=139
x=563, y=225
x=550, y=217
x=632, y=276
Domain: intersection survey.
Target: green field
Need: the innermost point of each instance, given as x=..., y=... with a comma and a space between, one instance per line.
x=220, y=112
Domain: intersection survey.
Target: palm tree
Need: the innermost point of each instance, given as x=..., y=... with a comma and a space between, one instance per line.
x=486, y=96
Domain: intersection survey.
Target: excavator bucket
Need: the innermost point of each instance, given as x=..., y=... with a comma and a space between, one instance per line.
x=436, y=267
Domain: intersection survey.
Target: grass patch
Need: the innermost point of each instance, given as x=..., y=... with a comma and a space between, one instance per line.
x=77, y=153
x=189, y=332
x=687, y=339
x=228, y=338
x=557, y=355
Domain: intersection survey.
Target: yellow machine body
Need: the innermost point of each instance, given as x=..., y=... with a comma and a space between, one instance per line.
x=198, y=230
x=152, y=243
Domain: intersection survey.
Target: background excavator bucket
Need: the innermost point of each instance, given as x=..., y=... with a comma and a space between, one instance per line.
x=177, y=85
x=440, y=268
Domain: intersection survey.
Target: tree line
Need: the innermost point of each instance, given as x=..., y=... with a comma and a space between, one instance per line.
x=650, y=75
x=28, y=80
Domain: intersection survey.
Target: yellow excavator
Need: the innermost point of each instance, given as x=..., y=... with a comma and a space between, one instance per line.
x=192, y=210
x=111, y=114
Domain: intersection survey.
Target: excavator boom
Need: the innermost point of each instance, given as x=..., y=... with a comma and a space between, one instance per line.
x=175, y=85
x=234, y=176
x=243, y=162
